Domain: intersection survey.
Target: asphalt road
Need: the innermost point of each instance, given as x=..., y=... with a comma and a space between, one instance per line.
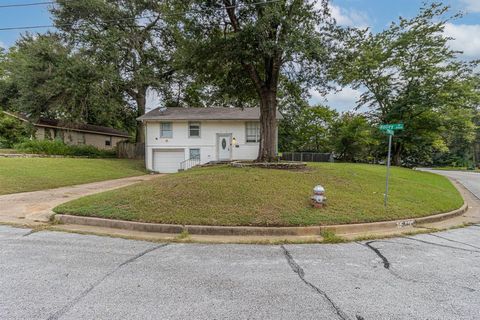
x=55, y=275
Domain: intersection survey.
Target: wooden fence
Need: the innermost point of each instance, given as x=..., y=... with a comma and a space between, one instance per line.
x=129, y=150
x=307, y=156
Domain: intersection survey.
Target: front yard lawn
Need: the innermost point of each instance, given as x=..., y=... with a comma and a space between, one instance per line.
x=266, y=197
x=31, y=174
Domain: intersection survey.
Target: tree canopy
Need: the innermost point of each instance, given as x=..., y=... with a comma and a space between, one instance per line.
x=410, y=75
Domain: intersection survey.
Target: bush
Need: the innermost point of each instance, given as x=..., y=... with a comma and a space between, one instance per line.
x=57, y=147
x=12, y=131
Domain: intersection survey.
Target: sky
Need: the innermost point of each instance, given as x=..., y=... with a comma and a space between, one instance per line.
x=375, y=14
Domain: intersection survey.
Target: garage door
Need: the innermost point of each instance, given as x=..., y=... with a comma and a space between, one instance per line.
x=167, y=161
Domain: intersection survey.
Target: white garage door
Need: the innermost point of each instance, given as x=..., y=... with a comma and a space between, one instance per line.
x=167, y=161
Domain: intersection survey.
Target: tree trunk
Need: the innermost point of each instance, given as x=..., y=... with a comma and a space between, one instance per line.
x=397, y=155
x=141, y=102
x=268, y=127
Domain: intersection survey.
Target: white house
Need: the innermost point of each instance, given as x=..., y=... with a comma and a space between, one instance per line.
x=179, y=138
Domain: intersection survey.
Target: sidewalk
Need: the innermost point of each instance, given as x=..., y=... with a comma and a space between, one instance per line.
x=35, y=208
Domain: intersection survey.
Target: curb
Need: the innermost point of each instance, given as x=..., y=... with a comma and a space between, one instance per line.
x=255, y=231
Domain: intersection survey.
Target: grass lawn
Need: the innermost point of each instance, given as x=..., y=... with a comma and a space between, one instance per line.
x=266, y=197
x=30, y=174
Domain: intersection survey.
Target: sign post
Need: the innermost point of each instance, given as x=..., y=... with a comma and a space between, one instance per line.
x=389, y=129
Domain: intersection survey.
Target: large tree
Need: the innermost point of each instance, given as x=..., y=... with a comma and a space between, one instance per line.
x=409, y=74
x=249, y=49
x=44, y=77
x=129, y=35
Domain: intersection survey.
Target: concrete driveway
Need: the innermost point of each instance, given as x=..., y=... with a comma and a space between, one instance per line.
x=35, y=207
x=56, y=275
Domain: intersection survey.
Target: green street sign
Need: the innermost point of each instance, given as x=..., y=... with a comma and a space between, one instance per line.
x=393, y=126
x=390, y=132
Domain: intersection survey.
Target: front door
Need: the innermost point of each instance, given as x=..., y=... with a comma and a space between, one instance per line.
x=224, y=148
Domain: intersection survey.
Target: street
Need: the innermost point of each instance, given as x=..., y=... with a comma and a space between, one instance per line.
x=56, y=275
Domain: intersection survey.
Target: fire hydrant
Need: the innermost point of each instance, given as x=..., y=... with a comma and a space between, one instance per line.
x=318, y=199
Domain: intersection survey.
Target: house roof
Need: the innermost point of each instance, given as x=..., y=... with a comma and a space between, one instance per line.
x=54, y=123
x=179, y=113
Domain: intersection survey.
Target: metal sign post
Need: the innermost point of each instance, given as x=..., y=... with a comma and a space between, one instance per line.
x=390, y=137
x=389, y=129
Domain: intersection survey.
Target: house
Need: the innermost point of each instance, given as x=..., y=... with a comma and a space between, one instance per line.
x=82, y=134
x=179, y=138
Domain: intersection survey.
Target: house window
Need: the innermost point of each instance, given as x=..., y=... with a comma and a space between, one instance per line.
x=166, y=130
x=194, y=129
x=253, y=131
x=195, y=154
x=80, y=138
x=108, y=142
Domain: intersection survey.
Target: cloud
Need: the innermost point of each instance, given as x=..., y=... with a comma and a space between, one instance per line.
x=466, y=38
x=2, y=45
x=472, y=5
x=344, y=100
x=351, y=18
x=346, y=17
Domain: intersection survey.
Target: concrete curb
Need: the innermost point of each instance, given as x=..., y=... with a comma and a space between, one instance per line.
x=256, y=231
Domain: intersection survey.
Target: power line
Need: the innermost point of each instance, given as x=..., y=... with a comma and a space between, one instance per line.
x=142, y=17
x=26, y=4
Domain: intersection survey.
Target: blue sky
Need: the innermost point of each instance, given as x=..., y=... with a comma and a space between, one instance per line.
x=376, y=14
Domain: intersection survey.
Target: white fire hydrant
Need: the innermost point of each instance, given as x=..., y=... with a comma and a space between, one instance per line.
x=319, y=200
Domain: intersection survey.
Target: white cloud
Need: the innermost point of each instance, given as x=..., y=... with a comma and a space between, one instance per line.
x=351, y=18
x=472, y=5
x=344, y=100
x=2, y=45
x=466, y=38
x=346, y=17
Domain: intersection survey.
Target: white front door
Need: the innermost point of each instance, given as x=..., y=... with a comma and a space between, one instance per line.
x=224, y=147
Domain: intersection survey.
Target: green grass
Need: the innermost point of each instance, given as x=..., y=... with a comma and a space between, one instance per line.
x=31, y=174
x=266, y=197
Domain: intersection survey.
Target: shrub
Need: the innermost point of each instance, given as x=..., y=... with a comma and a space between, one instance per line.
x=12, y=131
x=57, y=147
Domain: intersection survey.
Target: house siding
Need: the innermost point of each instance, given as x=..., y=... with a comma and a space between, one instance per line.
x=207, y=142
x=78, y=138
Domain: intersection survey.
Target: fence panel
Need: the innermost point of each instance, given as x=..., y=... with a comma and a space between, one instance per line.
x=307, y=156
x=129, y=150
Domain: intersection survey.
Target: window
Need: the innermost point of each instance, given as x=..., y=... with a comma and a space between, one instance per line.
x=80, y=138
x=194, y=129
x=108, y=142
x=166, y=130
x=195, y=154
x=253, y=131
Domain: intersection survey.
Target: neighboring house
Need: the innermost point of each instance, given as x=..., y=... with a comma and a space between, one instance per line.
x=82, y=134
x=178, y=138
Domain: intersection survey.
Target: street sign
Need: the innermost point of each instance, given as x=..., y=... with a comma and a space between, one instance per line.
x=393, y=126
x=389, y=129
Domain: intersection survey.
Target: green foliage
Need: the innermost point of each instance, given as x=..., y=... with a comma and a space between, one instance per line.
x=307, y=129
x=57, y=147
x=130, y=38
x=410, y=75
x=352, y=137
x=44, y=77
x=12, y=131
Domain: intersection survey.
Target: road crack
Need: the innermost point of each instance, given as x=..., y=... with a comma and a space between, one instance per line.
x=455, y=241
x=82, y=295
x=441, y=245
x=386, y=263
x=301, y=274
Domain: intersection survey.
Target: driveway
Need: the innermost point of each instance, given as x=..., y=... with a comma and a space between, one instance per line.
x=36, y=207
x=471, y=180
